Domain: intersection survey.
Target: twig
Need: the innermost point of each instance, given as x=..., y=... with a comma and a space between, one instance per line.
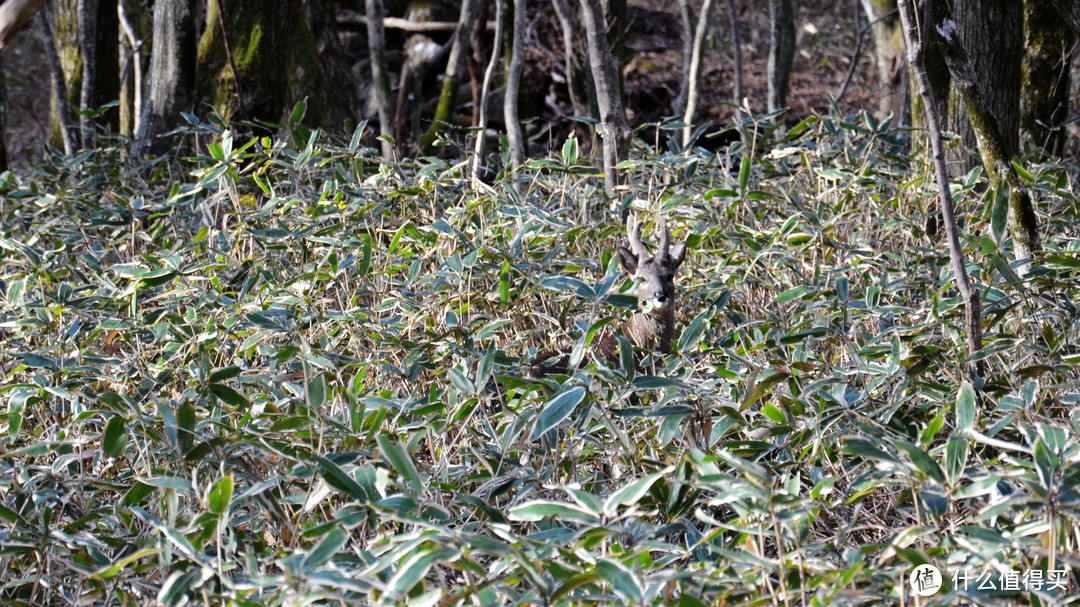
x=854, y=62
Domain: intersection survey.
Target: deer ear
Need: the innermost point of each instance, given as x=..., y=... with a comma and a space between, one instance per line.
x=627, y=260
x=676, y=255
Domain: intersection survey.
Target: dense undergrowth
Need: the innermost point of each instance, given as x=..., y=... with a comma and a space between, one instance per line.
x=286, y=373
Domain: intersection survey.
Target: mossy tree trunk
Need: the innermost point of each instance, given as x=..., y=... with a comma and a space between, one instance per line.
x=891, y=65
x=1044, y=103
x=258, y=58
x=63, y=23
x=991, y=31
x=996, y=149
x=172, y=85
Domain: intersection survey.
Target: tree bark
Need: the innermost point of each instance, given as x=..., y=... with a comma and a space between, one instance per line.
x=455, y=65
x=172, y=67
x=970, y=295
x=258, y=58
x=380, y=74
x=605, y=70
x=891, y=66
x=513, y=86
x=14, y=14
x=991, y=141
x=781, y=51
x=65, y=120
x=991, y=31
x=1044, y=103
x=694, y=77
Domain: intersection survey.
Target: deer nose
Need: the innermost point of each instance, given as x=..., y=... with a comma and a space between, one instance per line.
x=660, y=297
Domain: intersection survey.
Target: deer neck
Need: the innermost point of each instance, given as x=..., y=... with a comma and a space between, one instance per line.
x=653, y=330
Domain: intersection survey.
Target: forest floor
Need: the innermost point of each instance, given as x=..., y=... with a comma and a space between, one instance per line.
x=825, y=43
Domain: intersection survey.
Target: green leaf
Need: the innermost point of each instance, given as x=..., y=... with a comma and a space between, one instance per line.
x=229, y=396
x=324, y=550
x=401, y=461
x=185, y=427
x=556, y=410
x=922, y=461
x=538, y=510
x=316, y=391
x=17, y=402
x=965, y=408
x=112, y=441
x=956, y=452
x=220, y=495
x=623, y=581
x=365, y=257
x=744, y=175
x=570, y=151
x=633, y=491
x=1000, y=213
x=298, y=112
x=793, y=293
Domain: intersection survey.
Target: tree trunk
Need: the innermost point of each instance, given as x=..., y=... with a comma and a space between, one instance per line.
x=1044, y=104
x=936, y=71
x=694, y=77
x=781, y=51
x=970, y=295
x=14, y=14
x=172, y=69
x=99, y=30
x=578, y=78
x=605, y=70
x=258, y=58
x=62, y=116
x=63, y=23
x=135, y=27
x=380, y=74
x=3, y=118
x=991, y=141
x=736, y=47
x=513, y=86
x=686, y=13
x=891, y=66
x=991, y=31
x=455, y=65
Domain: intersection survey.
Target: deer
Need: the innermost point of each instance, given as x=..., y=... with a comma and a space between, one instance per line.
x=653, y=324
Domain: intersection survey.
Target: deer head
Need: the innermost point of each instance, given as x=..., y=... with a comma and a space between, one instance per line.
x=655, y=291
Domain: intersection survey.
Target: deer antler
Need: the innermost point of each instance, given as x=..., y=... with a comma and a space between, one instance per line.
x=665, y=239
x=633, y=235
